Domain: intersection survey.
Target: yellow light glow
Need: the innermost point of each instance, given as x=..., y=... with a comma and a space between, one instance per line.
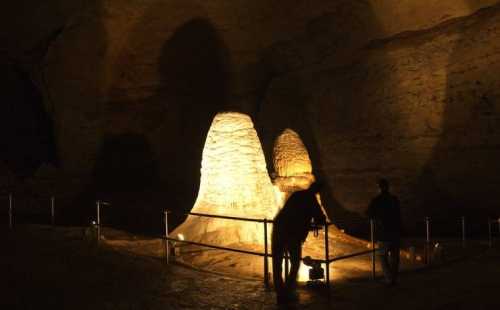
x=235, y=182
x=303, y=275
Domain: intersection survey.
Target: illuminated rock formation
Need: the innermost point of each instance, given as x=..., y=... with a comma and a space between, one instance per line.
x=291, y=162
x=292, y=166
x=234, y=182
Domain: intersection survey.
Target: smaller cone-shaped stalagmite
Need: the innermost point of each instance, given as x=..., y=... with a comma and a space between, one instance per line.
x=234, y=182
x=291, y=162
x=290, y=156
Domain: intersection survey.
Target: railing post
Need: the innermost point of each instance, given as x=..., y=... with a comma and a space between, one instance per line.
x=428, y=229
x=463, y=232
x=327, y=257
x=287, y=268
x=266, y=262
x=167, y=250
x=490, y=237
x=372, y=238
x=427, y=239
x=98, y=206
x=52, y=210
x=10, y=211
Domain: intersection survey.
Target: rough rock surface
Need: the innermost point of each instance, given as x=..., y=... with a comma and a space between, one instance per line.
x=234, y=182
x=291, y=162
x=290, y=157
x=420, y=108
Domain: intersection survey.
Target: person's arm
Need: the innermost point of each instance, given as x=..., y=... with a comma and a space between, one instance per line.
x=371, y=211
x=398, y=212
x=318, y=215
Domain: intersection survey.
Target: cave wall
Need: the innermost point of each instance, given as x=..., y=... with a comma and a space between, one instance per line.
x=419, y=108
x=375, y=88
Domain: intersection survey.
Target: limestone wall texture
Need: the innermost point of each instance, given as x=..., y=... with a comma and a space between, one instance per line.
x=420, y=108
x=406, y=89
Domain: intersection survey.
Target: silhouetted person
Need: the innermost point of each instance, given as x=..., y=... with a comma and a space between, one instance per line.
x=290, y=229
x=385, y=211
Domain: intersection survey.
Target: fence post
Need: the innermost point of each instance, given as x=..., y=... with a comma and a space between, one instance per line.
x=327, y=257
x=167, y=250
x=372, y=238
x=463, y=231
x=427, y=239
x=52, y=210
x=428, y=229
x=10, y=211
x=266, y=262
x=98, y=206
x=490, y=237
x=287, y=269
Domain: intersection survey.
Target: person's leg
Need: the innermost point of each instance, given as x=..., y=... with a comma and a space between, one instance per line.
x=384, y=260
x=394, y=261
x=277, y=254
x=295, y=250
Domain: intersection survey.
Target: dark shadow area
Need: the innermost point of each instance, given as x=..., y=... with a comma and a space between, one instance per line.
x=125, y=175
x=124, y=163
x=299, y=119
x=194, y=68
x=26, y=132
x=461, y=178
x=322, y=104
x=71, y=74
x=193, y=85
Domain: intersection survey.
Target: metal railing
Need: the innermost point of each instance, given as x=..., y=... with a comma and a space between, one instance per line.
x=490, y=230
x=461, y=234
x=52, y=211
x=493, y=226
x=11, y=213
x=266, y=254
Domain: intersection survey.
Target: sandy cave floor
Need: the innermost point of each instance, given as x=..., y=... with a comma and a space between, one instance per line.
x=55, y=268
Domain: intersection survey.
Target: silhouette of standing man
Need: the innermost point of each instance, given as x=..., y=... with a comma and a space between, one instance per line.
x=384, y=209
x=290, y=229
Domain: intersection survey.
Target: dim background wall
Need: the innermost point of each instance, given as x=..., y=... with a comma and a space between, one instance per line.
x=404, y=89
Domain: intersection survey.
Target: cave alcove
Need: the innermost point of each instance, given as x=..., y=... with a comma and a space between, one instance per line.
x=27, y=129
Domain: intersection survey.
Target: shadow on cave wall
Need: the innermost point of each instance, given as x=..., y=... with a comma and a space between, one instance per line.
x=195, y=72
x=72, y=75
x=126, y=174
x=461, y=177
x=193, y=69
x=26, y=133
x=293, y=99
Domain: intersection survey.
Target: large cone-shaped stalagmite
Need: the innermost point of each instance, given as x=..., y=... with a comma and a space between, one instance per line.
x=234, y=182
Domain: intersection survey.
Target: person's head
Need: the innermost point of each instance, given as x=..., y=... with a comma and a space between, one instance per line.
x=383, y=184
x=315, y=187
